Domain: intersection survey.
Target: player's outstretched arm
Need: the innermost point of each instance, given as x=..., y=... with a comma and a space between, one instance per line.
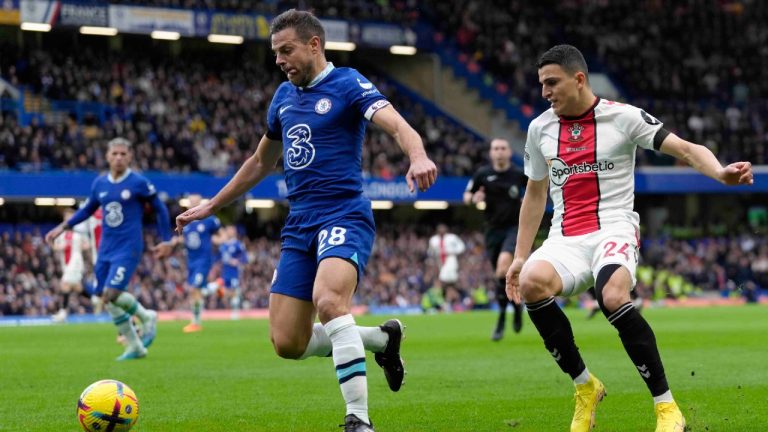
x=165, y=247
x=704, y=161
x=531, y=212
x=80, y=215
x=253, y=171
x=422, y=172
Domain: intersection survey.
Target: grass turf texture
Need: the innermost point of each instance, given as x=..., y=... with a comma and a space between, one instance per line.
x=228, y=378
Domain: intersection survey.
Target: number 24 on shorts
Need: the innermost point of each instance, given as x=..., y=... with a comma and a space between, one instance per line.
x=611, y=250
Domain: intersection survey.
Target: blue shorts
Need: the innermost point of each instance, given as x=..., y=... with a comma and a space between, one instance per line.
x=231, y=282
x=345, y=230
x=114, y=273
x=197, y=274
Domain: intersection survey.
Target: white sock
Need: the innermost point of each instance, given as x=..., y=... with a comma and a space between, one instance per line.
x=132, y=306
x=374, y=340
x=664, y=397
x=197, y=310
x=582, y=378
x=210, y=288
x=124, y=324
x=319, y=344
x=349, y=359
x=235, y=301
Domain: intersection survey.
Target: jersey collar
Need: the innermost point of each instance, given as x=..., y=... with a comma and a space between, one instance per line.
x=119, y=179
x=328, y=68
x=584, y=114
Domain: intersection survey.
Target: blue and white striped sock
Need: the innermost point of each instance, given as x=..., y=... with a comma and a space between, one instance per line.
x=349, y=359
x=131, y=305
x=124, y=324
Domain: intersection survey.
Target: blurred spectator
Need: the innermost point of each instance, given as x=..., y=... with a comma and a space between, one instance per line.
x=704, y=85
x=185, y=114
x=401, y=273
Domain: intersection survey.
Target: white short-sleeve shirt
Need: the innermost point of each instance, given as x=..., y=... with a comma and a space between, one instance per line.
x=590, y=161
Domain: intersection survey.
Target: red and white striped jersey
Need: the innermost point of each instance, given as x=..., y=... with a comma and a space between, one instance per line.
x=94, y=233
x=590, y=161
x=69, y=245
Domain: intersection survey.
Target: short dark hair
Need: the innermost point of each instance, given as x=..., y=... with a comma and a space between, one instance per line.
x=567, y=57
x=305, y=24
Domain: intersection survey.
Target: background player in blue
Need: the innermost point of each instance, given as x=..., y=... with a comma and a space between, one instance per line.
x=320, y=117
x=198, y=243
x=233, y=256
x=122, y=194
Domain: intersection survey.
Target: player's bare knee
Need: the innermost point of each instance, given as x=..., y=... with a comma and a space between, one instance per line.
x=287, y=349
x=330, y=307
x=613, y=296
x=612, y=288
x=533, y=288
x=111, y=294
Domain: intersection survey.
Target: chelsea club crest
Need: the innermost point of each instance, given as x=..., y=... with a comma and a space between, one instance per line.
x=323, y=106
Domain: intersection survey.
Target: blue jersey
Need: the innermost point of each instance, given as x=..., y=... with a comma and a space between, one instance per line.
x=122, y=201
x=197, y=240
x=232, y=250
x=322, y=127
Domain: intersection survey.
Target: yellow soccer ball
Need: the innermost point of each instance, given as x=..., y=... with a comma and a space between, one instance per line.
x=107, y=405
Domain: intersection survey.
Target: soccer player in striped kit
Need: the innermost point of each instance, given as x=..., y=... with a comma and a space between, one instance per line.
x=70, y=247
x=582, y=150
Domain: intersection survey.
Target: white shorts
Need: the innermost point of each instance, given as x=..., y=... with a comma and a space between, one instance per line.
x=578, y=259
x=449, y=272
x=72, y=275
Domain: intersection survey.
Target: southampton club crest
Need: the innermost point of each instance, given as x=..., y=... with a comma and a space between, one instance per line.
x=575, y=130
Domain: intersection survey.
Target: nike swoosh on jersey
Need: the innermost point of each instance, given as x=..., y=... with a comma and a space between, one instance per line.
x=492, y=178
x=282, y=110
x=102, y=194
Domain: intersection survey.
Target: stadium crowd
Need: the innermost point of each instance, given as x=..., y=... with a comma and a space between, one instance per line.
x=193, y=113
x=399, y=273
x=398, y=11
x=706, y=85
x=186, y=115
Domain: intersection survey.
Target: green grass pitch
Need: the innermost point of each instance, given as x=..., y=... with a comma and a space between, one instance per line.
x=228, y=378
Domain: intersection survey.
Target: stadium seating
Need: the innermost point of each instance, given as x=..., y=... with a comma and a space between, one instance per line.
x=703, y=84
x=398, y=274
x=185, y=114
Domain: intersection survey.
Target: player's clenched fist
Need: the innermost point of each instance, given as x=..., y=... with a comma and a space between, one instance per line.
x=421, y=174
x=737, y=173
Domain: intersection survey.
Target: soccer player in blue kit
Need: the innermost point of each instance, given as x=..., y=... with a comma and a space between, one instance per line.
x=122, y=194
x=233, y=256
x=198, y=243
x=317, y=122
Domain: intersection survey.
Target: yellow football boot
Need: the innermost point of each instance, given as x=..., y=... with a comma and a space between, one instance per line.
x=587, y=396
x=669, y=418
